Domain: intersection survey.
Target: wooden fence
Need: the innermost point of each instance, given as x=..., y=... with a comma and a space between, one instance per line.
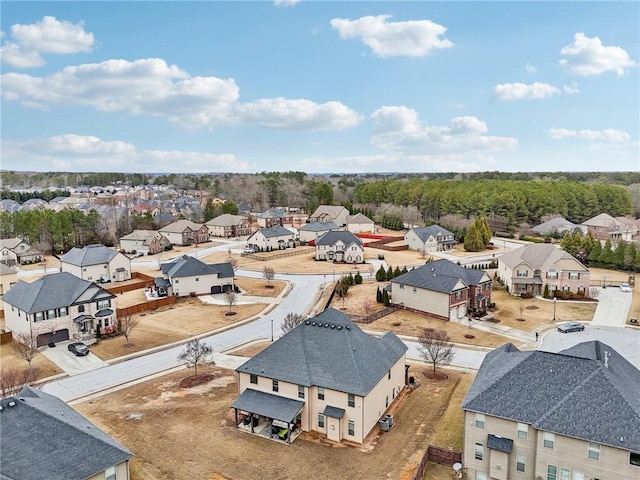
x=143, y=307
x=438, y=455
x=5, y=337
x=144, y=280
x=289, y=252
x=381, y=244
x=374, y=316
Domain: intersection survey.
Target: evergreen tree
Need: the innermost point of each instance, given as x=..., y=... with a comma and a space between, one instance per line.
x=404, y=270
x=381, y=274
x=385, y=298
x=397, y=272
x=358, y=278
x=389, y=273
x=619, y=254
x=473, y=241
x=378, y=295
x=606, y=257
x=209, y=210
x=596, y=252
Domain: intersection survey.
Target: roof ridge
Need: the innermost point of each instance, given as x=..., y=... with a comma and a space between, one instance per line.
x=304, y=354
x=357, y=365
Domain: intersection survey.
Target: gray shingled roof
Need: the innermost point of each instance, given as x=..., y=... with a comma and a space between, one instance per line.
x=576, y=392
x=331, y=237
x=187, y=266
x=333, y=412
x=329, y=351
x=140, y=235
x=180, y=226
x=273, y=212
x=318, y=227
x=440, y=276
x=424, y=233
x=44, y=438
x=10, y=243
x=51, y=291
x=268, y=405
x=558, y=224
x=502, y=444
x=94, y=254
x=539, y=256
x=275, y=231
x=225, y=220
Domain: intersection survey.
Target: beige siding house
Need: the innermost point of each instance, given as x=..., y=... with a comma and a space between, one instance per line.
x=227, y=225
x=360, y=223
x=330, y=213
x=8, y=278
x=59, y=307
x=66, y=445
x=273, y=238
x=433, y=238
x=311, y=231
x=18, y=251
x=148, y=242
x=339, y=246
x=326, y=375
x=97, y=263
x=531, y=268
x=185, y=232
x=573, y=415
x=189, y=276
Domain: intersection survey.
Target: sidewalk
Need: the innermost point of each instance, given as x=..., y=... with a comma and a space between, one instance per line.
x=527, y=338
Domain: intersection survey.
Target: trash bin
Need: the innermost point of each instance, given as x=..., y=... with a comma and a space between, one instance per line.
x=389, y=419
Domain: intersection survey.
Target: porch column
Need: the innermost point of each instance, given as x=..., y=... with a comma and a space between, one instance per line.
x=235, y=411
x=251, y=418
x=288, y=432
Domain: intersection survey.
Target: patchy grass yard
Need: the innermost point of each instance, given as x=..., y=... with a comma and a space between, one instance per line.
x=159, y=409
x=257, y=287
x=10, y=360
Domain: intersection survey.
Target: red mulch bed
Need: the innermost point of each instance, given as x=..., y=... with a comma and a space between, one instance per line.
x=194, y=381
x=468, y=335
x=435, y=376
x=230, y=314
x=269, y=286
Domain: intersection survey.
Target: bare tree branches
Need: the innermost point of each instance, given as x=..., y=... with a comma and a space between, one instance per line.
x=291, y=321
x=268, y=273
x=231, y=298
x=435, y=347
x=13, y=380
x=26, y=345
x=127, y=324
x=197, y=353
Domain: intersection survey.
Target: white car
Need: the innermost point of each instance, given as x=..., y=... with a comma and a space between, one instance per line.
x=625, y=287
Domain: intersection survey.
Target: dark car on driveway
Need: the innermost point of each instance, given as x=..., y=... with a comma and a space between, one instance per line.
x=79, y=349
x=571, y=327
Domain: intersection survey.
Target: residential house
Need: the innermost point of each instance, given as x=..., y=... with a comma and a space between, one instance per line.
x=8, y=278
x=442, y=289
x=558, y=226
x=59, y=307
x=311, y=231
x=532, y=268
x=433, y=238
x=572, y=415
x=273, y=217
x=15, y=251
x=148, y=242
x=360, y=223
x=330, y=213
x=189, y=276
x=604, y=227
x=339, y=246
x=227, y=225
x=327, y=376
x=631, y=226
x=273, y=238
x=43, y=437
x=97, y=263
x=185, y=232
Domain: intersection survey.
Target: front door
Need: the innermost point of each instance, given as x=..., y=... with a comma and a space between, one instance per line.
x=333, y=429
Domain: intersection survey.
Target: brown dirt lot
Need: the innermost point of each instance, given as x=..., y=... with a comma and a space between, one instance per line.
x=9, y=359
x=250, y=350
x=160, y=410
x=257, y=287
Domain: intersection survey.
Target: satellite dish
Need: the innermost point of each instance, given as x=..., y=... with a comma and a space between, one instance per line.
x=457, y=466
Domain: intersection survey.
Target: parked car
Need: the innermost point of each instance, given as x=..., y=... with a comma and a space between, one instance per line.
x=79, y=349
x=571, y=327
x=625, y=287
x=249, y=249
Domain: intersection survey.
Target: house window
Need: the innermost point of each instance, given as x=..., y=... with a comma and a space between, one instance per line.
x=177, y=280
x=552, y=275
x=458, y=295
x=481, y=476
x=80, y=308
x=38, y=317
x=320, y=420
x=103, y=304
x=51, y=313
x=634, y=459
x=521, y=461
x=351, y=400
x=401, y=286
x=594, y=451
x=320, y=393
x=523, y=430
x=578, y=476
x=479, y=451
x=565, y=474
x=389, y=375
x=574, y=275
x=521, y=273
x=548, y=439
x=300, y=391
x=275, y=385
x=552, y=472
x=565, y=288
x=253, y=378
x=197, y=279
x=351, y=428
x=110, y=473
x=479, y=420
x=64, y=312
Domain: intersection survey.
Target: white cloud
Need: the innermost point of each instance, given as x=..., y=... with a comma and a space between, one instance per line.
x=414, y=38
x=88, y=153
x=509, y=92
x=530, y=68
x=285, y=3
x=571, y=89
x=587, y=56
x=49, y=35
x=608, y=135
x=299, y=114
x=398, y=128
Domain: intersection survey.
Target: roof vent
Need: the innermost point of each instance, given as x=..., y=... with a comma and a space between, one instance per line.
x=339, y=327
x=307, y=322
x=326, y=325
x=314, y=324
x=347, y=327
x=333, y=326
x=12, y=403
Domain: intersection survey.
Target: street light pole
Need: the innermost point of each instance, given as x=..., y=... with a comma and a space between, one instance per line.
x=272, y=329
x=555, y=302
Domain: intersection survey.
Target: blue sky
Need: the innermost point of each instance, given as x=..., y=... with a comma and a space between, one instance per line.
x=320, y=86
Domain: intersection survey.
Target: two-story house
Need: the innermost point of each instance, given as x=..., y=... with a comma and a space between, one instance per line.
x=274, y=216
x=148, y=242
x=59, y=307
x=360, y=223
x=273, y=238
x=442, y=289
x=227, y=225
x=309, y=232
x=185, y=232
x=15, y=251
x=326, y=375
x=97, y=263
x=187, y=275
x=330, y=213
x=43, y=437
x=572, y=415
x=433, y=238
x=531, y=268
x=8, y=278
x=605, y=227
x=339, y=246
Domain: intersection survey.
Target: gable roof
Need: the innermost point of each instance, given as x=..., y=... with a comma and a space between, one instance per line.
x=539, y=256
x=51, y=291
x=329, y=351
x=94, y=254
x=358, y=218
x=332, y=211
x=275, y=231
x=43, y=437
x=226, y=220
x=559, y=225
x=555, y=392
x=145, y=235
x=187, y=266
x=440, y=276
x=424, y=233
x=180, y=226
x=604, y=220
x=273, y=212
x=11, y=243
x=318, y=226
x=334, y=236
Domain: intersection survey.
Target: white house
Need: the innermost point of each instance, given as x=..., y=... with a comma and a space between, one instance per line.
x=340, y=246
x=311, y=231
x=433, y=238
x=148, y=242
x=274, y=238
x=97, y=263
x=190, y=276
x=17, y=250
x=360, y=223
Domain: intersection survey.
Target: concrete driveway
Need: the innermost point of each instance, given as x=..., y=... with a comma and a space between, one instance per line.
x=67, y=361
x=613, y=307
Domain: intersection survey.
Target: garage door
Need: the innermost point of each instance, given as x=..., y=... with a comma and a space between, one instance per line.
x=59, y=336
x=216, y=289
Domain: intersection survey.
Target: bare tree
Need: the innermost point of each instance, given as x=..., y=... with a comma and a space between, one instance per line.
x=26, y=345
x=233, y=261
x=268, y=273
x=197, y=353
x=435, y=347
x=12, y=380
x=291, y=321
x=367, y=304
x=127, y=324
x=231, y=298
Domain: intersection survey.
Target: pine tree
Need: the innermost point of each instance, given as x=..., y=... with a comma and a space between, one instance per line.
x=378, y=295
x=385, y=298
x=596, y=252
x=381, y=274
x=389, y=273
x=397, y=272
